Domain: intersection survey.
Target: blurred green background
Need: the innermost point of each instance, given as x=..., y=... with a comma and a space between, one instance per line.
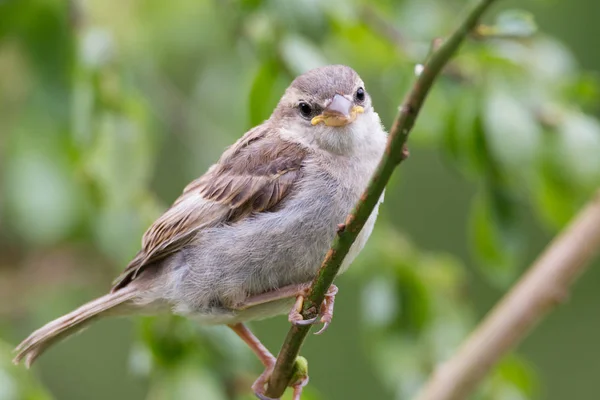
x=108, y=108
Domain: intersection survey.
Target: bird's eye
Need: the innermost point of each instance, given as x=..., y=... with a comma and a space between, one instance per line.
x=305, y=109
x=360, y=95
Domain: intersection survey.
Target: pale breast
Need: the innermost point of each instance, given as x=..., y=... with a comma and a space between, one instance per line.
x=226, y=264
x=361, y=239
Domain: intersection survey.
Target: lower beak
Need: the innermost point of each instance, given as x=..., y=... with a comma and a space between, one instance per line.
x=339, y=112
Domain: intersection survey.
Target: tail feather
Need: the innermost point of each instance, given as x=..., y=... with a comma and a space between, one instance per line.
x=68, y=324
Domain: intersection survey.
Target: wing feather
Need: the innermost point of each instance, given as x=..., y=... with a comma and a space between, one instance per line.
x=252, y=176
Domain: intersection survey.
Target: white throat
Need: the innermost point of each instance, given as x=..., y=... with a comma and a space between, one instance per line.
x=356, y=138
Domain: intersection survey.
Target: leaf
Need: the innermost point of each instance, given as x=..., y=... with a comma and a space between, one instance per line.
x=512, y=135
x=515, y=23
x=556, y=197
x=262, y=99
x=305, y=18
x=300, y=55
x=548, y=61
x=463, y=138
x=96, y=48
x=578, y=149
x=584, y=89
x=380, y=302
x=517, y=372
x=429, y=130
x=168, y=340
x=570, y=168
x=511, y=379
x=187, y=382
x=368, y=52
x=43, y=28
x=414, y=304
x=16, y=383
x=121, y=158
x=497, y=235
x=43, y=202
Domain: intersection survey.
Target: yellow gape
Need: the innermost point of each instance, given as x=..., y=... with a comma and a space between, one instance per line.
x=337, y=119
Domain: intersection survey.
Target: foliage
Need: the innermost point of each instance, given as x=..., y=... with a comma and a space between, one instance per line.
x=15, y=383
x=415, y=314
x=107, y=109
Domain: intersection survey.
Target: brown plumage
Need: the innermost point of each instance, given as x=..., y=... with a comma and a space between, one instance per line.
x=76, y=320
x=252, y=176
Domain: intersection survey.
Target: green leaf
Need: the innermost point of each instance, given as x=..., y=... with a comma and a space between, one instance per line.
x=517, y=372
x=300, y=55
x=187, y=382
x=262, y=97
x=511, y=379
x=578, y=149
x=497, y=235
x=16, y=383
x=464, y=139
x=570, y=168
x=121, y=158
x=414, y=304
x=381, y=302
x=43, y=200
x=548, y=61
x=512, y=135
x=96, y=48
x=515, y=23
x=584, y=90
x=168, y=339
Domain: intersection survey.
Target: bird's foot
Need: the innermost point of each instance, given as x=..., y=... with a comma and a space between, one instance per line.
x=299, y=380
x=258, y=387
x=324, y=316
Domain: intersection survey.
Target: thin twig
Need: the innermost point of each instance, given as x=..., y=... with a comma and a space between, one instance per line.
x=543, y=287
x=395, y=153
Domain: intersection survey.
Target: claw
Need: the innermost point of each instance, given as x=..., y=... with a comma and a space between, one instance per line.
x=263, y=397
x=323, y=329
x=295, y=316
x=298, y=388
x=325, y=314
x=258, y=387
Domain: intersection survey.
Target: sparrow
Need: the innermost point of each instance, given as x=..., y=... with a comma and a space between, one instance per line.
x=244, y=241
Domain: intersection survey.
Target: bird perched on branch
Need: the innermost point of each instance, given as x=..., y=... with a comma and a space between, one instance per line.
x=244, y=241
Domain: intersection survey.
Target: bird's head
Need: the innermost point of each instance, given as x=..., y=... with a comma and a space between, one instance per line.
x=328, y=107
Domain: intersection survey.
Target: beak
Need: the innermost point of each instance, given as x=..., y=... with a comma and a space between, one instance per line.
x=339, y=112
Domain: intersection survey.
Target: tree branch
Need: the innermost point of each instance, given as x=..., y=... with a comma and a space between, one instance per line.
x=395, y=153
x=543, y=287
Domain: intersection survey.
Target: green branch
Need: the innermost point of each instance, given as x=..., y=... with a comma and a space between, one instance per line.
x=395, y=153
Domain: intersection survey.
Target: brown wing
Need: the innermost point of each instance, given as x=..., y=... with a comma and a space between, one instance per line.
x=252, y=176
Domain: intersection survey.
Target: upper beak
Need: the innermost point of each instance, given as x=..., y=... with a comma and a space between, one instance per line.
x=339, y=112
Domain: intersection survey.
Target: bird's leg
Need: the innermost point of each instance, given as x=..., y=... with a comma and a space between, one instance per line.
x=325, y=313
x=263, y=354
x=298, y=389
x=267, y=359
x=285, y=292
x=300, y=292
